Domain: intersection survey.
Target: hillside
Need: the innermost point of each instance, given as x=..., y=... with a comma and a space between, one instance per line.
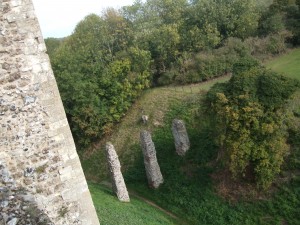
x=155, y=103
x=191, y=189
x=133, y=213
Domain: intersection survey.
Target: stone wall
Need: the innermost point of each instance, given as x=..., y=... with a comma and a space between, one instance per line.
x=36, y=144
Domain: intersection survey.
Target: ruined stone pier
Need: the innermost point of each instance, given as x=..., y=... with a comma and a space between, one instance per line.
x=114, y=165
x=153, y=173
x=181, y=138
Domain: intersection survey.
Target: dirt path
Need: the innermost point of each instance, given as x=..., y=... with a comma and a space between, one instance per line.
x=134, y=194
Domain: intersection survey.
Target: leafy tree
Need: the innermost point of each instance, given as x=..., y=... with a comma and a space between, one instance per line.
x=249, y=118
x=271, y=23
x=99, y=75
x=229, y=18
x=163, y=45
x=282, y=15
x=52, y=45
x=293, y=21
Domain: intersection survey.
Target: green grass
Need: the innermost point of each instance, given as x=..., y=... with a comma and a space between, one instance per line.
x=288, y=64
x=113, y=212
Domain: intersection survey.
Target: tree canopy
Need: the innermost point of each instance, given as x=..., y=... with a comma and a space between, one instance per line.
x=110, y=58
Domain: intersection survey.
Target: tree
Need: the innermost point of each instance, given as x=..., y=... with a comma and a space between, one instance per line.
x=282, y=15
x=98, y=76
x=52, y=45
x=230, y=18
x=249, y=119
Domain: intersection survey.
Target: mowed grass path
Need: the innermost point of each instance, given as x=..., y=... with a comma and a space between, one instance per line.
x=288, y=64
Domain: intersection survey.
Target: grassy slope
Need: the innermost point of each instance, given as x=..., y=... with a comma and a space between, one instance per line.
x=125, y=138
x=155, y=103
x=112, y=212
x=288, y=64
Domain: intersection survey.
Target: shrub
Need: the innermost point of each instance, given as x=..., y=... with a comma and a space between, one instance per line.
x=249, y=120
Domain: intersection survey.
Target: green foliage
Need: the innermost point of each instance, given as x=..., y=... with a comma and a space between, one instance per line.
x=228, y=18
x=248, y=114
x=210, y=64
x=97, y=85
x=274, y=90
x=281, y=15
x=171, y=30
x=263, y=48
x=244, y=64
x=271, y=21
x=109, y=59
x=52, y=45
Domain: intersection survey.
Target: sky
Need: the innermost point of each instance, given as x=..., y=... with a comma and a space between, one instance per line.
x=58, y=18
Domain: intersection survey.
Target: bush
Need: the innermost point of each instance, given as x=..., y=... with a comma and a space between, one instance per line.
x=266, y=47
x=210, y=64
x=249, y=119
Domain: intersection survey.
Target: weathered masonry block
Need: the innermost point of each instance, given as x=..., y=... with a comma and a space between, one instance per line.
x=35, y=140
x=182, y=142
x=114, y=165
x=153, y=173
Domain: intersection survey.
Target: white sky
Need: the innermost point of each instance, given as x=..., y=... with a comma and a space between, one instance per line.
x=58, y=18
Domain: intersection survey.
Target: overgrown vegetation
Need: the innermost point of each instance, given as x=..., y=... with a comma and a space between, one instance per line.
x=189, y=189
x=105, y=64
x=250, y=121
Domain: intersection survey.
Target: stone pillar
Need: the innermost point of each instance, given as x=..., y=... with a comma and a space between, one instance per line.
x=114, y=165
x=34, y=131
x=153, y=173
x=182, y=142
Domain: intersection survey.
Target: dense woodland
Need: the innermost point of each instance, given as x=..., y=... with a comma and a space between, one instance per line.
x=104, y=66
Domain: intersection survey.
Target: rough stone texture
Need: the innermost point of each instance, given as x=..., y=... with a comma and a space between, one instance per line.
x=16, y=205
x=114, y=165
x=153, y=173
x=35, y=140
x=182, y=142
